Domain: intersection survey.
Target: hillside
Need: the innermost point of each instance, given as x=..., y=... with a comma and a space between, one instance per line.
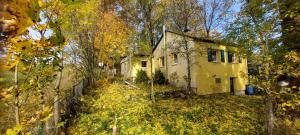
x=133, y=113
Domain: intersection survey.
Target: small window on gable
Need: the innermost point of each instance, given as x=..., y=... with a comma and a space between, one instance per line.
x=222, y=56
x=175, y=58
x=218, y=80
x=212, y=55
x=231, y=57
x=144, y=63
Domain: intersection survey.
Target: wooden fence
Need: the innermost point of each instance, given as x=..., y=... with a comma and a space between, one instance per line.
x=69, y=105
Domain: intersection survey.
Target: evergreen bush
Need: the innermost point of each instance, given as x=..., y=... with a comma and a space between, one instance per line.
x=159, y=78
x=141, y=77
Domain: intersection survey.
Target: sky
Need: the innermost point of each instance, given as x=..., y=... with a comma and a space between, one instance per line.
x=35, y=35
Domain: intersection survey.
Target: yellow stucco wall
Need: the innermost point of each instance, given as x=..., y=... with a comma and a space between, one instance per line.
x=130, y=66
x=174, y=72
x=206, y=72
x=203, y=73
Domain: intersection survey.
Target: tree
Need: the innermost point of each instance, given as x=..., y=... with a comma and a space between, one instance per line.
x=51, y=13
x=258, y=27
x=100, y=37
x=17, y=16
x=289, y=12
x=214, y=14
x=147, y=17
x=183, y=16
x=37, y=58
x=40, y=59
x=112, y=38
x=80, y=32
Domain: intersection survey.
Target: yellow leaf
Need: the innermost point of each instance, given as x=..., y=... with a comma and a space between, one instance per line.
x=40, y=2
x=16, y=130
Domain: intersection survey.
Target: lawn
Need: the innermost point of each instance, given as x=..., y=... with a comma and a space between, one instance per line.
x=133, y=113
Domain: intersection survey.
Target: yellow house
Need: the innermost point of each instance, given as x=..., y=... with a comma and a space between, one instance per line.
x=131, y=64
x=215, y=68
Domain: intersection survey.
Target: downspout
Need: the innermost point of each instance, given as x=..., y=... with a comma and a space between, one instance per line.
x=130, y=67
x=166, y=51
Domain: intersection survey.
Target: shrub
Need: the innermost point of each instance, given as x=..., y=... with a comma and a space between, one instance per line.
x=159, y=77
x=141, y=77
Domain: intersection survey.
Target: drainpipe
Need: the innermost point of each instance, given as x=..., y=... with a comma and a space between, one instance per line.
x=166, y=51
x=130, y=67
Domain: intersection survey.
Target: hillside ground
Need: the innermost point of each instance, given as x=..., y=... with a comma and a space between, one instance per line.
x=132, y=112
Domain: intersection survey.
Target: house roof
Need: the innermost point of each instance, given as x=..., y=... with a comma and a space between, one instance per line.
x=199, y=39
x=161, y=37
x=140, y=52
x=124, y=59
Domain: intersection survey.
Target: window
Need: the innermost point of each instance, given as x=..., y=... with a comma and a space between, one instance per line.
x=175, y=58
x=162, y=61
x=144, y=63
x=212, y=55
x=218, y=80
x=222, y=56
x=231, y=57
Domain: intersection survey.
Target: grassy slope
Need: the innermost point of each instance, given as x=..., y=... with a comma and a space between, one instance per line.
x=211, y=114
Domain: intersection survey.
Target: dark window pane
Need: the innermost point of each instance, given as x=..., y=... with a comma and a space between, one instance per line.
x=218, y=80
x=214, y=55
x=162, y=61
x=175, y=58
x=230, y=57
x=222, y=56
x=209, y=54
x=144, y=63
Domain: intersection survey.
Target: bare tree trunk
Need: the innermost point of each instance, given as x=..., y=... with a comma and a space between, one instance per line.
x=56, y=111
x=130, y=66
x=269, y=98
x=188, y=61
x=270, y=114
x=42, y=106
x=207, y=33
x=152, y=91
x=189, y=88
x=266, y=70
x=16, y=103
x=115, y=128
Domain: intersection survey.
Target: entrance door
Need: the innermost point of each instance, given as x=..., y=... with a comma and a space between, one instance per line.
x=231, y=85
